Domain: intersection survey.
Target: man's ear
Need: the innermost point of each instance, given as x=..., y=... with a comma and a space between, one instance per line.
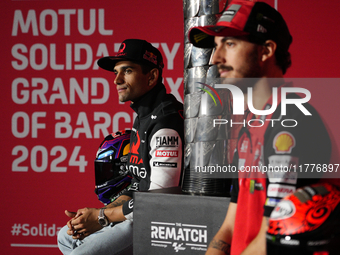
x=153, y=78
x=268, y=50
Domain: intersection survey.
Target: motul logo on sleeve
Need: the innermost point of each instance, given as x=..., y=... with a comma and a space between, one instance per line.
x=166, y=153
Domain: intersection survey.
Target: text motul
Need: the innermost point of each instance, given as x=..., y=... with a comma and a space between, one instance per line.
x=166, y=153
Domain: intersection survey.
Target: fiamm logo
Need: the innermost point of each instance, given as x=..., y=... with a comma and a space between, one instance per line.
x=210, y=94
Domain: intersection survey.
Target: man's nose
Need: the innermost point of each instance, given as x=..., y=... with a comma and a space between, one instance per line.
x=218, y=56
x=119, y=79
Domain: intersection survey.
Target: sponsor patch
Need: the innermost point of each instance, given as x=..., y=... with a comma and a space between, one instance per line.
x=244, y=146
x=241, y=162
x=166, y=153
x=167, y=141
x=291, y=242
x=284, y=142
x=150, y=57
x=255, y=186
x=278, y=190
x=164, y=164
x=229, y=14
x=283, y=210
x=261, y=29
x=135, y=145
x=200, y=36
x=279, y=177
x=272, y=201
x=283, y=161
x=282, y=168
x=257, y=154
x=121, y=50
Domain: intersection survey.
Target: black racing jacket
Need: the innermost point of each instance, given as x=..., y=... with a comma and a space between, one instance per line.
x=157, y=139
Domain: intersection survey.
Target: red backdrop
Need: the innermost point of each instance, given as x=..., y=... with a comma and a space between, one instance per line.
x=56, y=105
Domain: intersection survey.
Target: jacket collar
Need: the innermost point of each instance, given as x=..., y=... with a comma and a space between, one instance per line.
x=144, y=105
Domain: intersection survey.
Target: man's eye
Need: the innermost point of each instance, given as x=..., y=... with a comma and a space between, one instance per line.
x=127, y=71
x=230, y=44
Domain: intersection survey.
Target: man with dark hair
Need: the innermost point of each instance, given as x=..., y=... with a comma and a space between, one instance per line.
x=155, y=157
x=251, y=42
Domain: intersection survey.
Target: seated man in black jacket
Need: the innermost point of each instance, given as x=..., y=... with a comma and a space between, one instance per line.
x=155, y=157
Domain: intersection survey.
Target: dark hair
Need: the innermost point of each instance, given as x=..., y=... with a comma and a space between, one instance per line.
x=283, y=59
x=146, y=69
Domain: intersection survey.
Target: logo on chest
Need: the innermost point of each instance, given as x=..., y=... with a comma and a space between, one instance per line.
x=284, y=142
x=244, y=146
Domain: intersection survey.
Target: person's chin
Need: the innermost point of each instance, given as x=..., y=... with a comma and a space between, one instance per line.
x=122, y=99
